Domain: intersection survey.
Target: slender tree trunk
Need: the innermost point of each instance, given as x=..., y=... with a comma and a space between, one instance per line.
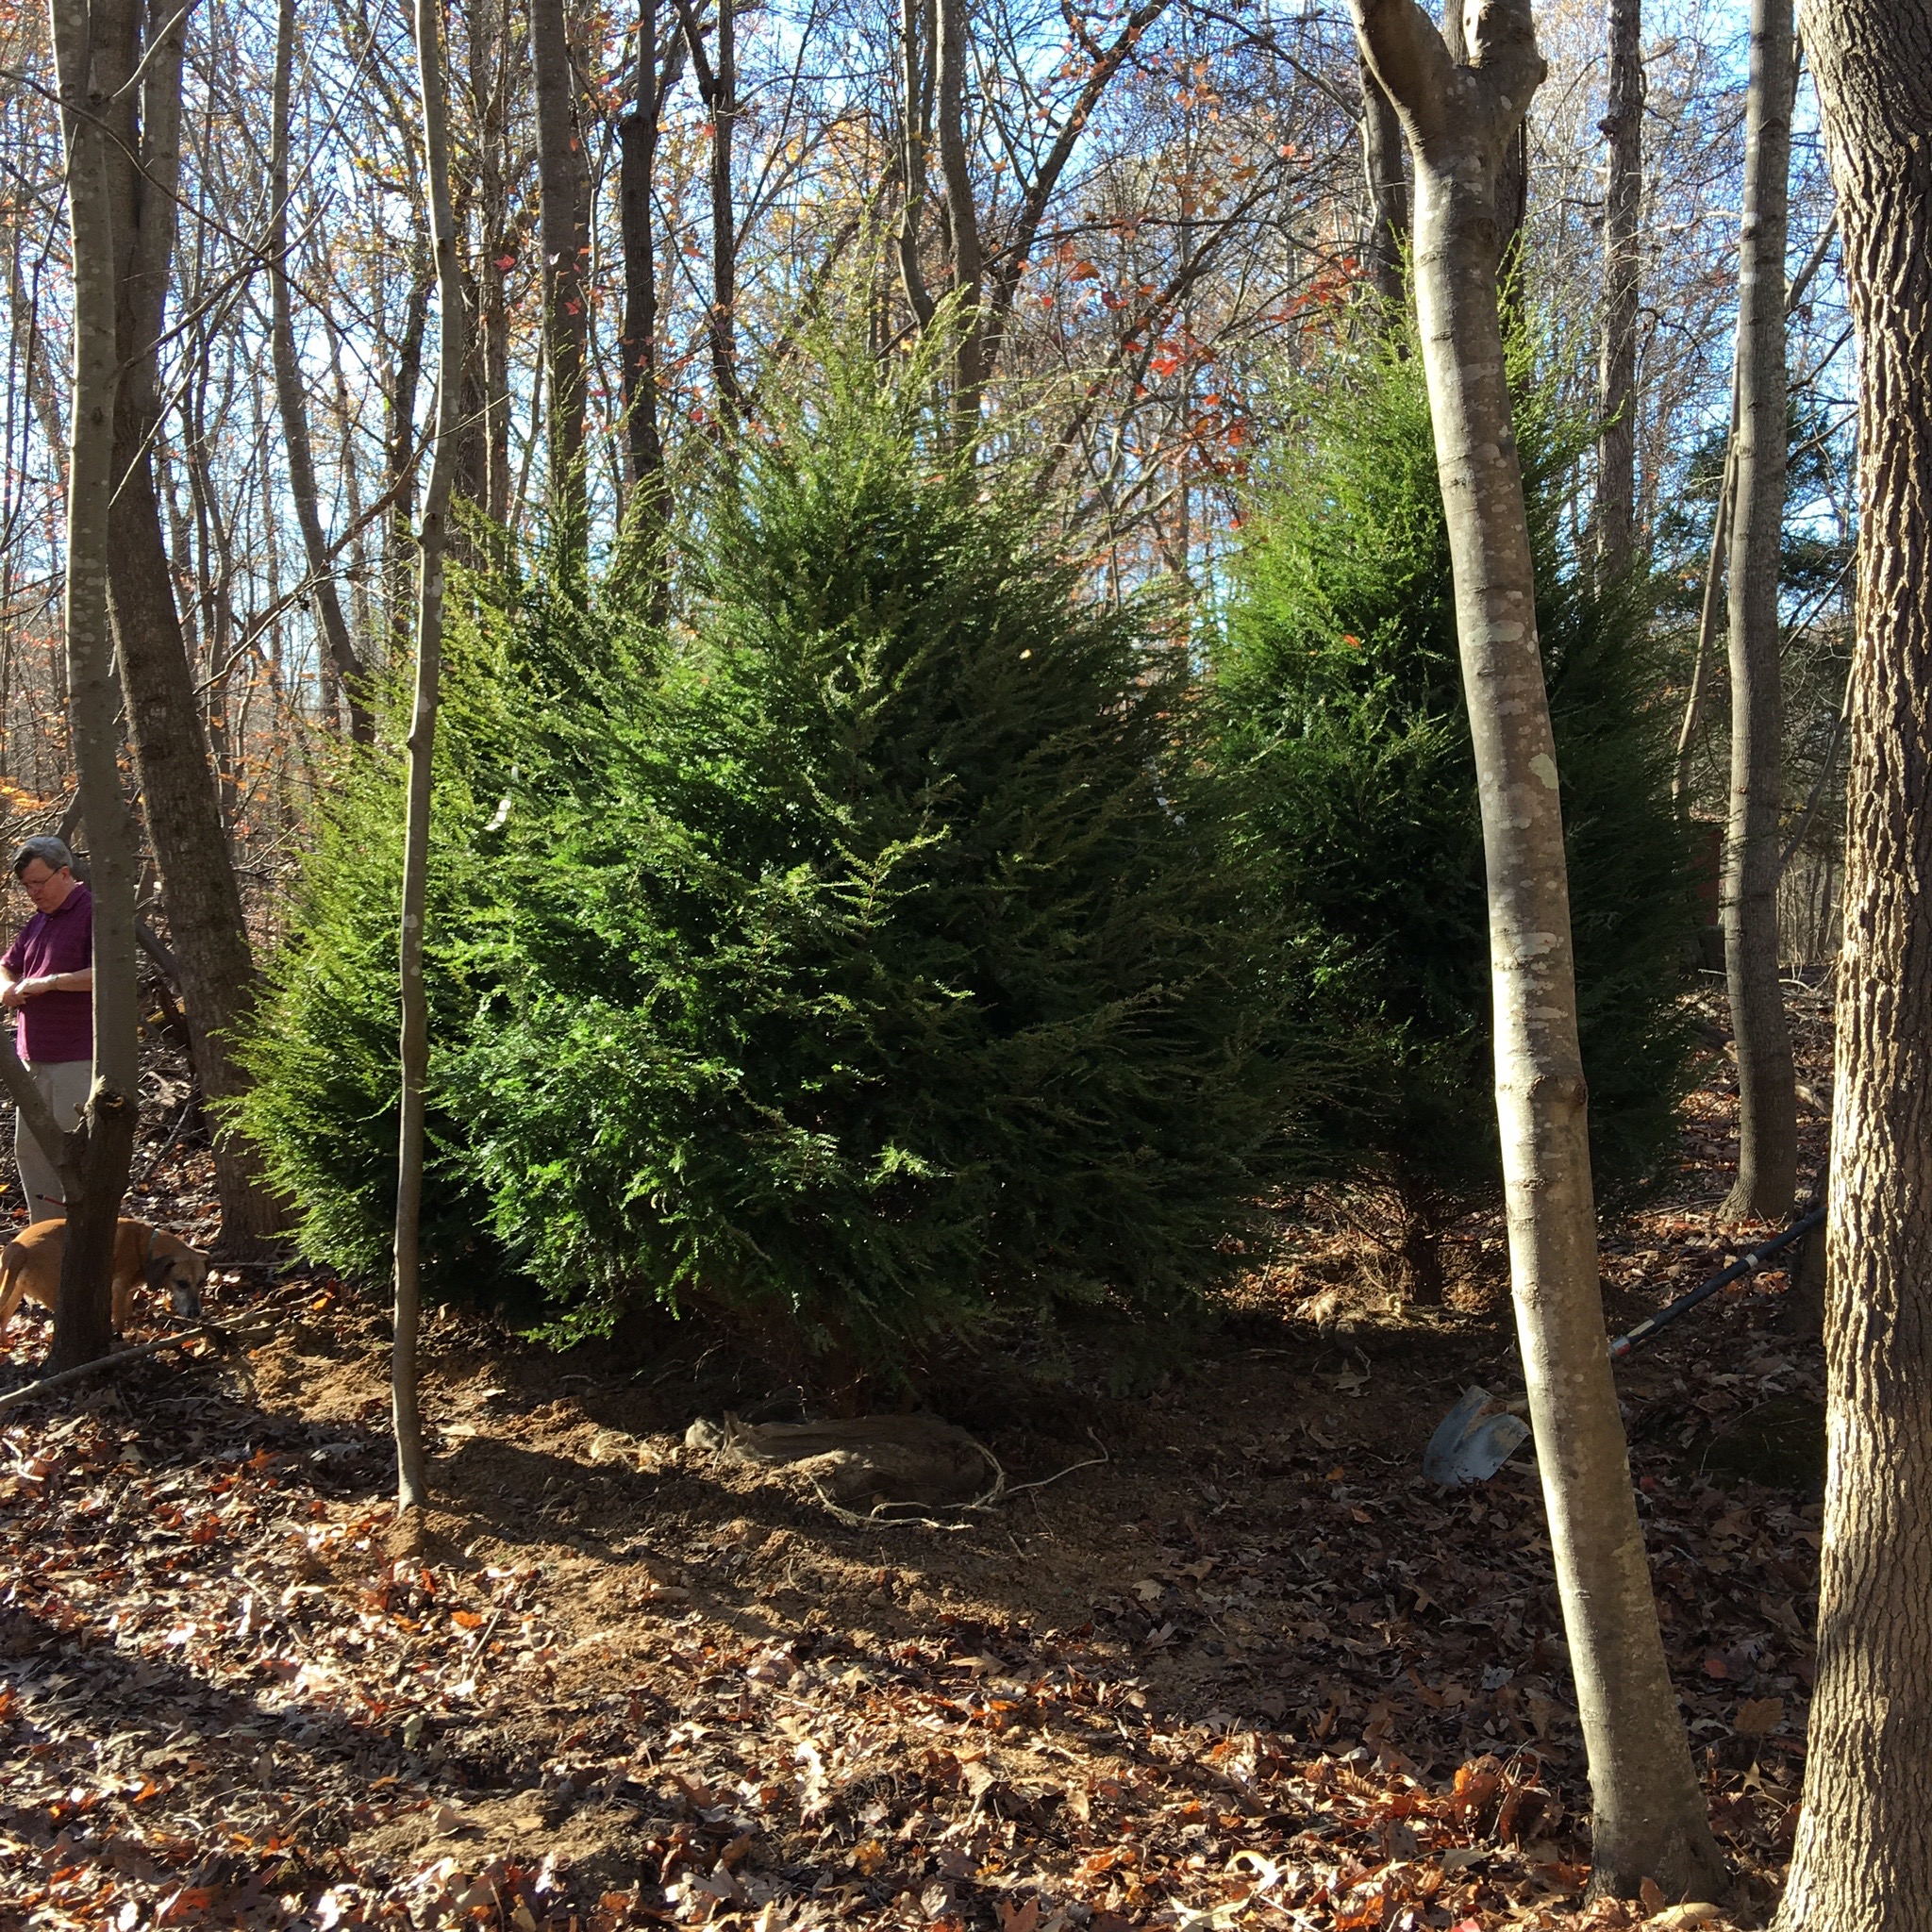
x=1622, y=127
x=1387, y=195
x=489, y=57
x=83, y=1314
x=1460, y=120
x=962, y=213
x=412, y=1480
x=1863, y=1857
x=1699, y=699
x=1767, y=1098
x=716, y=74
x=563, y=186
x=400, y=480
x=637, y=138
x=288, y=395
x=916, y=62
x=724, y=217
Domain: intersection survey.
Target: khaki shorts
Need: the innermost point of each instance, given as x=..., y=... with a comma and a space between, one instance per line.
x=64, y=1086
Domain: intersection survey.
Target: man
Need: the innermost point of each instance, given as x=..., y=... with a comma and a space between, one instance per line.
x=48, y=976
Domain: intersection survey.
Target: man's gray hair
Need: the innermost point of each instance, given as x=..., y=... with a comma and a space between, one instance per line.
x=52, y=851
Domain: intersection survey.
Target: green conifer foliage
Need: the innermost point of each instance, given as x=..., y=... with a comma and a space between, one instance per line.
x=1338, y=702
x=867, y=954
x=321, y=1044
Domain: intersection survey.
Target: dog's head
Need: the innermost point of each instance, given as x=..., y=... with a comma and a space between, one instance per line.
x=178, y=1271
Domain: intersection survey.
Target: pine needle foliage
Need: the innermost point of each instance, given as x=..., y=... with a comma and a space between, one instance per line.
x=1338, y=704
x=866, y=955
x=322, y=1045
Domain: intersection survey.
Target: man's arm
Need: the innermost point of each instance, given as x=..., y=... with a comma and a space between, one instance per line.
x=13, y=991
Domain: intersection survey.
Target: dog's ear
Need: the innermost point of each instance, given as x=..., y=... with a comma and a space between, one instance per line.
x=157, y=1266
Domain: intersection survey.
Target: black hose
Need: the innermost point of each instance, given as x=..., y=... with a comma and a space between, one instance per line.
x=1746, y=1264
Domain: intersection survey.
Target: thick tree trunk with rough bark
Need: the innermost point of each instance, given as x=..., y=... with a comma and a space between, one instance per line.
x=1767, y=1096
x=83, y=1314
x=1863, y=1857
x=1387, y=195
x=1461, y=119
x=413, y=1481
x=179, y=789
x=564, y=190
x=1623, y=128
x=292, y=404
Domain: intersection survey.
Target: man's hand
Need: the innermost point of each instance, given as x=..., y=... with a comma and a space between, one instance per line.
x=23, y=989
x=10, y=995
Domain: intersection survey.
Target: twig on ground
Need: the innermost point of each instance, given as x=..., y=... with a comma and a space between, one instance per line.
x=224, y=1339
x=1000, y=1489
x=1091, y=1462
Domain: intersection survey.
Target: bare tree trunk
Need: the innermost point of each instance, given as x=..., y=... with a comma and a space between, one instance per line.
x=412, y=1479
x=1622, y=127
x=490, y=45
x=1511, y=192
x=717, y=78
x=1767, y=1098
x=1461, y=121
x=637, y=137
x=1388, y=194
x=179, y=788
x=1699, y=699
x=916, y=64
x=563, y=184
x=724, y=218
x=973, y=364
x=400, y=480
x=293, y=405
x=1863, y=1857
x=83, y=1314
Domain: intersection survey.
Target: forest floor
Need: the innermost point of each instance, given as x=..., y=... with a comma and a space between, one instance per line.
x=1249, y=1671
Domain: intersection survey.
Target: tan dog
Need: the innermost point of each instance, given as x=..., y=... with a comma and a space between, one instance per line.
x=30, y=1264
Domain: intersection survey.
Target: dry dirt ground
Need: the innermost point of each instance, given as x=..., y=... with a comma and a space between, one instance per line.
x=1220, y=1656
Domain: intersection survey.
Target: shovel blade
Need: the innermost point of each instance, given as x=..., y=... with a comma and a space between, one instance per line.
x=1469, y=1446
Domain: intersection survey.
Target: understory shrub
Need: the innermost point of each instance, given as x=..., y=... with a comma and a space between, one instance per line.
x=1337, y=701
x=866, y=954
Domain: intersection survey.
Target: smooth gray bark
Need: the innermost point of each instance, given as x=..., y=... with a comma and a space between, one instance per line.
x=292, y=403
x=1767, y=1097
x=917, y=58
x=1461, y=119
x=413, y=1481
x=953, y=43
x=1387, y=239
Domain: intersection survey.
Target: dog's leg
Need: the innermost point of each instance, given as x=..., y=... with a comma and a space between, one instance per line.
x=13, y=1286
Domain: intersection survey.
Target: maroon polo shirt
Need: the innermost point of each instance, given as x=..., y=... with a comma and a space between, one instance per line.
x=56, y=1026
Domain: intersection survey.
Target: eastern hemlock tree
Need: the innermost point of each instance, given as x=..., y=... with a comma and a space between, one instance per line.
x=322, y=1049
x=867, y=954
x=1337, y=702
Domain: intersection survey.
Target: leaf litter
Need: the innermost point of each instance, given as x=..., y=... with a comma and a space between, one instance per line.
x=1251, y=1672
